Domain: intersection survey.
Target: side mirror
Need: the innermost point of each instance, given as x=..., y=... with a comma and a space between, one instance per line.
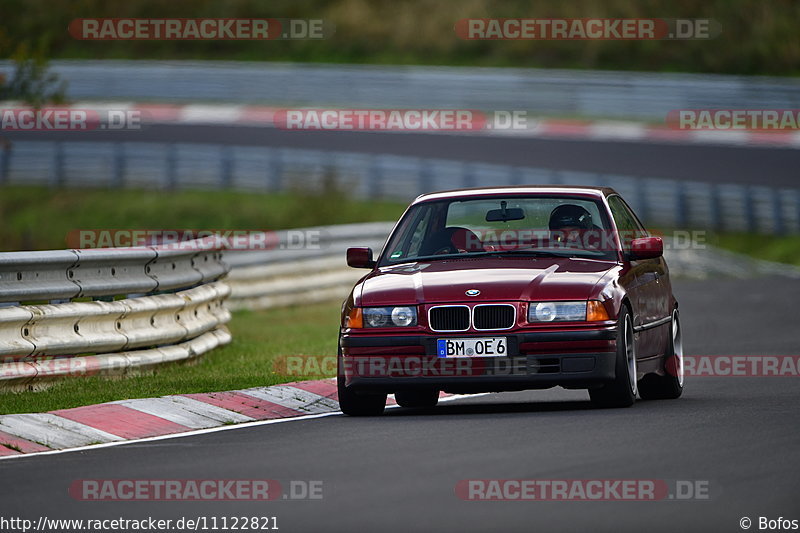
x=360, y=258
x=647, y=248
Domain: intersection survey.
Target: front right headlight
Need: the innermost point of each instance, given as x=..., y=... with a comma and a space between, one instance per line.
x=557, y=311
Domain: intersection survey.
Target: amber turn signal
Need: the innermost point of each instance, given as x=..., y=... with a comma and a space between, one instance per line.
x=354, y=319
x=596, y=311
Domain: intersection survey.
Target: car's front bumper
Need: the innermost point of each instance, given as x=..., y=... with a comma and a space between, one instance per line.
x=535, y=359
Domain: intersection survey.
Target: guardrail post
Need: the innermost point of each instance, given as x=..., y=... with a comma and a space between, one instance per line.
x=375, y=177
x=749, y=209
x=5, y=161
x=425, y=177
x=226, y=167
x=796, y=204
x=644, y=204
x=715, y=207
x=57, y=178
x=469, y=175
x=118, y=163
x=682, y=218
x=275, y=165
x=778, y=226
x=171, y=167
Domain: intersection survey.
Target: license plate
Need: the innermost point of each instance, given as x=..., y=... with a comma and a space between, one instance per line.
x=474, y=347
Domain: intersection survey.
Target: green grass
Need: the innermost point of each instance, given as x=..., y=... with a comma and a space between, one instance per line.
x=779, y=248
x=248, y=361
x=39, y=218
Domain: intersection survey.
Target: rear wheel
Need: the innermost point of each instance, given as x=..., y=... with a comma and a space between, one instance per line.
x=355, y=404
x=670, y=385
x=622, y=391
x=418, y=399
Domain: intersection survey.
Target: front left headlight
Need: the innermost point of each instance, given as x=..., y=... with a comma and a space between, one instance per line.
x=388, y=317
x=556, y=311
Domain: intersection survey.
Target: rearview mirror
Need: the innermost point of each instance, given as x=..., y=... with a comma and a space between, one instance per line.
x=504, y=214
x=360, y=258
x=647, y=248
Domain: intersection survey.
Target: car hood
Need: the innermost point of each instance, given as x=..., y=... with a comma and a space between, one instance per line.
x=497, y=279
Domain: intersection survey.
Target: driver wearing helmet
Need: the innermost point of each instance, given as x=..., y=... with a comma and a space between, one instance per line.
x=568, y=225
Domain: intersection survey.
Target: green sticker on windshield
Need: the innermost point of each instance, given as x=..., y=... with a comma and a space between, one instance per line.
x=397, y=254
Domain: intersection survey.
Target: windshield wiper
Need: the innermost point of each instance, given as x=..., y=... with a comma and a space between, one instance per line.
x=528, y=251
x=548, y=253
x=533, y=252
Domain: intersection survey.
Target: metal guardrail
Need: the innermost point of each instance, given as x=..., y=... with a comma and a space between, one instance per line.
x=660, y=202
x=574, y=92
x=34, y=374
x=66, y=274
x=278, y=277
x=42, y=343
x=170, y=308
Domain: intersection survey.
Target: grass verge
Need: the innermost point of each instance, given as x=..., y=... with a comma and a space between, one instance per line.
x=248, y=361
x=779, y=248
x=39, y=218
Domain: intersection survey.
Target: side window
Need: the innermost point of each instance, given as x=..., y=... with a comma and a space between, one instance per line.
x=420, y=232
x=408, y=242
x=627, y=225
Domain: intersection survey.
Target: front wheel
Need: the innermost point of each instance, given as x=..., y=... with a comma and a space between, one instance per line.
x=622, y=391
x=354, y=404
x=670, y=385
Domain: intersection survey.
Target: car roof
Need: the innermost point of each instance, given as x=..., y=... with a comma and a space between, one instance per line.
x=543, y=190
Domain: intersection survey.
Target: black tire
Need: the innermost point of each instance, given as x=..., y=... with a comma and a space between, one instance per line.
x=622, y=391
x=355, y=404
x=417, y=399
x=670, y=385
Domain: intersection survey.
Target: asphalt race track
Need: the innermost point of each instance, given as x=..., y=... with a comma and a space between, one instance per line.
x=763, y=165
x=398, y=472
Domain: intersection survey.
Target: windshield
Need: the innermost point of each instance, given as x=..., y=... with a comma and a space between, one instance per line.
x=502, y=226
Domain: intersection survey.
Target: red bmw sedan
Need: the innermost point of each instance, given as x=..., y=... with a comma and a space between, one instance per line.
x=511, y=288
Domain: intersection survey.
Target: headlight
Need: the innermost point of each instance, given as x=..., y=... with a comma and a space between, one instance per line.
x=556, y=311
x=387, y=317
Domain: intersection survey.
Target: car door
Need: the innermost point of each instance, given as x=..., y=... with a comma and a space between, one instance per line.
x=658, y=291
x=648, y=297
